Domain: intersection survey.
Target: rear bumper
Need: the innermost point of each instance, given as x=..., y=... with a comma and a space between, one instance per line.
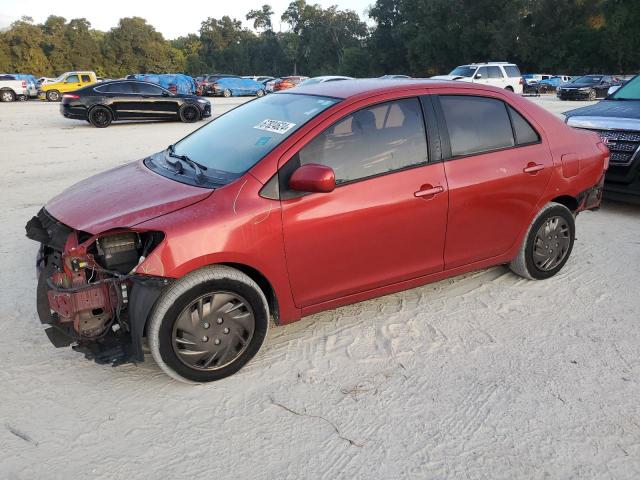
x=76, y=113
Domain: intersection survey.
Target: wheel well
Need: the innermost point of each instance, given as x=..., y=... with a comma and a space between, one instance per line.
x=568, y=201
x=264, y=285
x=509, y=87
x=100, y=105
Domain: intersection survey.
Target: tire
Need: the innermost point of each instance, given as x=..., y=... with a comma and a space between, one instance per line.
x=226, y=93
x=100, y=117
x=7, y=96
x=22, y=98
x=173, y=347
x=530, y=264
x=543, y=89
x=260, y=93
x=592, y=94
x=189, y=113
x=53, y=96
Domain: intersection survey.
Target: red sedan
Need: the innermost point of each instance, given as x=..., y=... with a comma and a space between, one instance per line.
x=287, y=82
x=304, y=201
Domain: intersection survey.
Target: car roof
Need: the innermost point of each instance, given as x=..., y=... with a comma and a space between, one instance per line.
x=375, y=86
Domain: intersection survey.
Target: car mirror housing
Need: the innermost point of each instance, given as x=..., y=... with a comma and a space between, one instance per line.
x=313, y=178
x=478, y=76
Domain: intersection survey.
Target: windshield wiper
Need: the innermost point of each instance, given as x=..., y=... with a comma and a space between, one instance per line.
x=197, y=167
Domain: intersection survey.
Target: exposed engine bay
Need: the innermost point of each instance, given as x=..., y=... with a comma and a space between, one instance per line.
x=85, y=283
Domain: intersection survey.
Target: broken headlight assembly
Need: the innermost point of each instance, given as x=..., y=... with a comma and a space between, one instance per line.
x=84, y=281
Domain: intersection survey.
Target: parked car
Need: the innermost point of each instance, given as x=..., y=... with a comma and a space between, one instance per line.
x=236, y=87
x=304, y=201
x=269, y=86
x=551, y=84
x=209, y=80
x=262, y=79
x=588, y=87
x=67, y=82
x=530, y=81
x=45, y=80
x=288, y=82
x=32, y=84
x=12, y=89
x=496, y=74
x=325, y=78
x=617, y=120
x=174, y=82
x=105, y=102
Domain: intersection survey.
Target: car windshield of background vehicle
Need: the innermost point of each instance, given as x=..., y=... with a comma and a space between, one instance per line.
x=237, y=140
x=463, y=71
x=588, y=80
x=629, y=91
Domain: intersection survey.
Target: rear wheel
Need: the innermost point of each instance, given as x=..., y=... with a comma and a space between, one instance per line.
x=208, y=325
x=7, y=96
x=53, y=96
x=189, y=114
x=100, y=117
x=547, y=244
x=226, y=93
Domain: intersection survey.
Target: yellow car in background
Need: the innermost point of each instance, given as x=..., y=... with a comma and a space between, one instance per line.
x=67, y=82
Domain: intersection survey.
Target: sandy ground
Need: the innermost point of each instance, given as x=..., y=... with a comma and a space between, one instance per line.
x=481, y=376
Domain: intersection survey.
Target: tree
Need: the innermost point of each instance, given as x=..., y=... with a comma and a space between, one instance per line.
x=261, y=18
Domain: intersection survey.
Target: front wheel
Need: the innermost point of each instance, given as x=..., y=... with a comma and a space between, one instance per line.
x=226, y=93
x=189, y=114
x=547, y=244
x=53, y=96
x=208, y=325
x=592, y=94
x=260, y=93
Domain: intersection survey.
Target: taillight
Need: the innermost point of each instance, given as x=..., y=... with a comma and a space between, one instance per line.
x=24, y=84
x=71, y=96
x=521, y=81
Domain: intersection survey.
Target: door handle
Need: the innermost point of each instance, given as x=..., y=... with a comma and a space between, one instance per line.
x=428, y=191
x=533, y=168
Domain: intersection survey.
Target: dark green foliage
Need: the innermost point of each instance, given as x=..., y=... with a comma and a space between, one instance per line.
x=417, y=37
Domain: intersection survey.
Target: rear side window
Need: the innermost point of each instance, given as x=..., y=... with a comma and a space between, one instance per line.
x=122, y=87
x=85, y=78
x=512, y=71
x=476, y=124
x=495, y=72
x=147, y=89
x=372, y=141
x=7, y=77
x=523, y=131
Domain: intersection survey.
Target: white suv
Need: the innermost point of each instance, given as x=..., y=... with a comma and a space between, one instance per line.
x=498, y=74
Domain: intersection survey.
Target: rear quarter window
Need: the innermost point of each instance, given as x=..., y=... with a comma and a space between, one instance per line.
x=522, y=130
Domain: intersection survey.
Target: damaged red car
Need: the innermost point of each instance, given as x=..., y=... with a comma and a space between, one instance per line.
x=304, y=201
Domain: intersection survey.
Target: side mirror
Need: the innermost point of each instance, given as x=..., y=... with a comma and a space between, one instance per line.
x=313, y=178
x=478, y=75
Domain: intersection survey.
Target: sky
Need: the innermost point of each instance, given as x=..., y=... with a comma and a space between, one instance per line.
x=164, y=16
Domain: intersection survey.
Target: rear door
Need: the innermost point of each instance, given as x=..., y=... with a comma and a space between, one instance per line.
x=496, y=78
x=386, y=220
x=123, y=100
x=497, y=169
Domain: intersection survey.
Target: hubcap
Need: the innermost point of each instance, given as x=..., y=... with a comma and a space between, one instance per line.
x=551, y=244
x=190, y=113
x=100, y=117
x=213, y=330
x=6, y=96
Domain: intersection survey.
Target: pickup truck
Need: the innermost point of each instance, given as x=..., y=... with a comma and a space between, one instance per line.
x=617, y=120
x=67, y=82
x=12, y=89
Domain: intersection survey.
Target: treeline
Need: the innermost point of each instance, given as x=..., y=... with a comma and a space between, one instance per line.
x=416, y=37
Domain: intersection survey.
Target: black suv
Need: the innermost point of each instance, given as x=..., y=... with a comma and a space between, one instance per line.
x=102, y=103
x=617, y=121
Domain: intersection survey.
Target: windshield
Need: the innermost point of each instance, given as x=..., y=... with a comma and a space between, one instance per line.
x=237, y=140
x=587, y=80
x=629, y=91
x=464, y=71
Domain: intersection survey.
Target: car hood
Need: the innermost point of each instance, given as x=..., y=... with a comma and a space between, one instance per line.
x=450, y=77
x=122, y=197
x=609, y=108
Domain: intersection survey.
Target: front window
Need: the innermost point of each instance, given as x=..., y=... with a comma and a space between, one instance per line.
x=72, y=79
x=464, y=71
x=629, y=91
x=234, y=142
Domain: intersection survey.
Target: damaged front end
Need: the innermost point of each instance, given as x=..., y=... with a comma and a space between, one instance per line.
x=88, y=292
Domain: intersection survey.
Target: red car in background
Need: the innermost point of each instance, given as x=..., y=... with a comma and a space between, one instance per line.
x=287, y=82
x=304, y=201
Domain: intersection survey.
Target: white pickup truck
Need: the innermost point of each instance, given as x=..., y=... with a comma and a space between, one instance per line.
x=12, y=89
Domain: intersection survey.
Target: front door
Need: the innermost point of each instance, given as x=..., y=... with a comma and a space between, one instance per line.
x=497, y=172
x=386, y=220
x=155, y=102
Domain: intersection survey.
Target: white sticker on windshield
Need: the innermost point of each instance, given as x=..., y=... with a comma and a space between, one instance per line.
x=275, y=126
